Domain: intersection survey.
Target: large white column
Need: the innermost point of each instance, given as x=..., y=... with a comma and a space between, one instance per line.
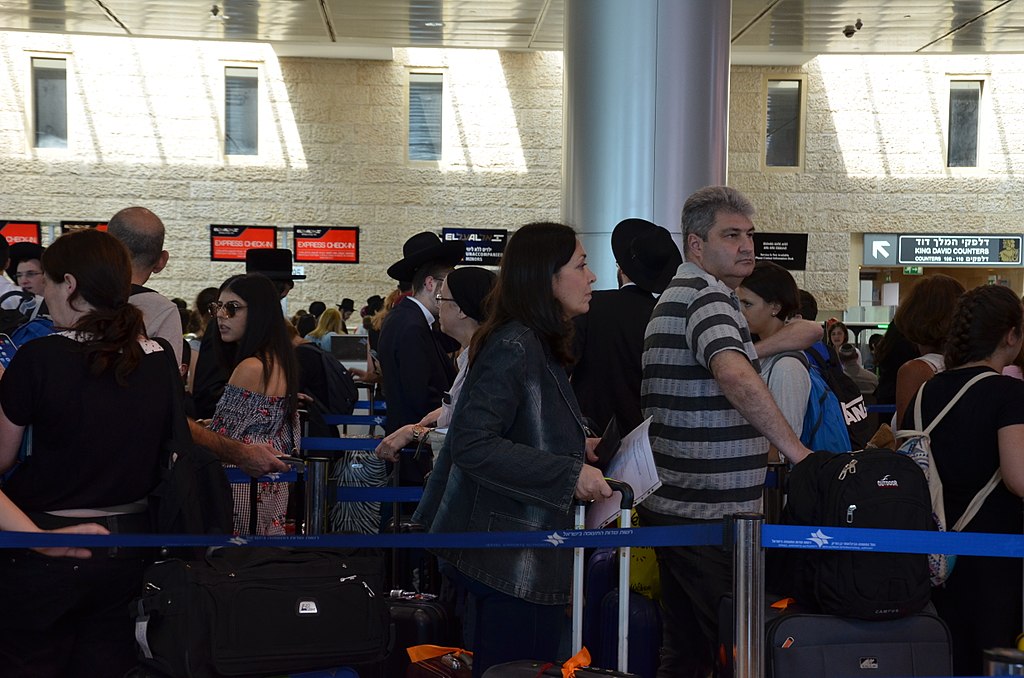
x=646, y=113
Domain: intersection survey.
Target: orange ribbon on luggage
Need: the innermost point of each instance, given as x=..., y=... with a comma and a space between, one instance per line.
x=419, y=653
x=581, y=659
x=783, y=603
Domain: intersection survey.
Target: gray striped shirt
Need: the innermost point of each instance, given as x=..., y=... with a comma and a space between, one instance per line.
x=711, y=461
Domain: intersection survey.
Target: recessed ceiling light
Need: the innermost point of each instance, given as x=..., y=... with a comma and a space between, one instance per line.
x=433, y=24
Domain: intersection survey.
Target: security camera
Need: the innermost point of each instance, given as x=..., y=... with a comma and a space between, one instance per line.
x=849, y=31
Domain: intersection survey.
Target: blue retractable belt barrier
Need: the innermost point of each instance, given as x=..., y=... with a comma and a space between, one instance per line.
x=378, y=405
x=355, y=419
x=339, y=444
x=680, y=535
x=381, y=494
x=882, y=409
x=237, y=476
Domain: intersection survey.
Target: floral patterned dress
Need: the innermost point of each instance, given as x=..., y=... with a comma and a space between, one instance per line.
x=251, y=417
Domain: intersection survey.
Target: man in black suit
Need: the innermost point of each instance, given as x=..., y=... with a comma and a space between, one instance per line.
x=414, y=356
x=610, y=337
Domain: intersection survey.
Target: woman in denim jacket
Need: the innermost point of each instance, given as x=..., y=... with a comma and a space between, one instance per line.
x=517, y=448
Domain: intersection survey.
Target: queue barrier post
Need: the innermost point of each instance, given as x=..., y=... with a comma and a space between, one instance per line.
x=748, y=595
x=315, y=509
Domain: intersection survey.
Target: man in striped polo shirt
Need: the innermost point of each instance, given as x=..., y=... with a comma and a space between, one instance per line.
x=713, y=418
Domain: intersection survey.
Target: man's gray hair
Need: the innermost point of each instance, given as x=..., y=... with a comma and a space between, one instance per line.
x=141, y=232
x=702, y=208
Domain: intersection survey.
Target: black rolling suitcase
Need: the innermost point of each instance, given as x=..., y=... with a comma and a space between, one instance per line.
x=536, y=669
x=418, y=619
x=262, y=612
x=799, y=644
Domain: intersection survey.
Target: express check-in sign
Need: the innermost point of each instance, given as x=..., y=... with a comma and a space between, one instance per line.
x=326, y=244
x=230, y=243
x=21, y=231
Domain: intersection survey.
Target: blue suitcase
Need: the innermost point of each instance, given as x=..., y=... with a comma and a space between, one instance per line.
x=644, y=634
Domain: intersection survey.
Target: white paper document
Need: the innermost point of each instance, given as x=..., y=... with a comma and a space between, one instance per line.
x=632, y=464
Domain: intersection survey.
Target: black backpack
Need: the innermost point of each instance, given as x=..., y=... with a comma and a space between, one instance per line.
x=874, y=489
x=342, y=393
x=851, y=400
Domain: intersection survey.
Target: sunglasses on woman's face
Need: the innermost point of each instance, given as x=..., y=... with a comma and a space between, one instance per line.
x=230, y=308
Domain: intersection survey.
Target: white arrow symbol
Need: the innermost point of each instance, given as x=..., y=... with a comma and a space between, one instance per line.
x=880, y=249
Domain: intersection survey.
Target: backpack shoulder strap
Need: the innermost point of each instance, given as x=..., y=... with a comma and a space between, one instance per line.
x=952, y=401
x=979, y=499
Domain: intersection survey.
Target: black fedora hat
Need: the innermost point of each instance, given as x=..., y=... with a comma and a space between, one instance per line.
x=422, y=248
x=646, y=253
x=347, y=305
x=276, y=264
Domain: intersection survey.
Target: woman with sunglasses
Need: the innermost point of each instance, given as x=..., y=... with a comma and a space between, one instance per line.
x=517, y=448
x=259, y=403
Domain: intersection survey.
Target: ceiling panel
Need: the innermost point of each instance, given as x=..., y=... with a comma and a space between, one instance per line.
x=772, y=29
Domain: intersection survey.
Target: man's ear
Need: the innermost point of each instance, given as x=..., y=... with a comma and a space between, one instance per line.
x=161, y=262
x=694, y=244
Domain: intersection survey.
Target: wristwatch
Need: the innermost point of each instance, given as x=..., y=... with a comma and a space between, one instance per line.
x=418, y=432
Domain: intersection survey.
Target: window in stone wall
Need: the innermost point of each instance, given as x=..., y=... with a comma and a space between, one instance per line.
x=964, y=115
x=425, y=92
x=50, y=102
x=241, y=110
x=784, y=126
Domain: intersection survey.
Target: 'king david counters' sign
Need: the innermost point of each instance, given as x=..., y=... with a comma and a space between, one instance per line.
x=326, y=244
x=229, y=243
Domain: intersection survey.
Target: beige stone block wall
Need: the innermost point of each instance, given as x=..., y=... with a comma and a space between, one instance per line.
x=875, y=158
x=145, y=127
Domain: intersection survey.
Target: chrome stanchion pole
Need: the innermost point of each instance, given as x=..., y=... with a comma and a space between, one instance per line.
x=316, y=495
x=748, y=595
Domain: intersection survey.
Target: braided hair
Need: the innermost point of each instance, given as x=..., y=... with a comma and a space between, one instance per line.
x=981, y=319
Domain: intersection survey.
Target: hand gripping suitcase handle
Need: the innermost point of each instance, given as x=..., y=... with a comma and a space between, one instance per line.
x=626, y=502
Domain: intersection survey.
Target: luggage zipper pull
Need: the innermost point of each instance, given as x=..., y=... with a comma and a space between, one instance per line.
x=369, y=590
x=849, y=513
x=150, y=587
x=851, y=467
x=344, y=579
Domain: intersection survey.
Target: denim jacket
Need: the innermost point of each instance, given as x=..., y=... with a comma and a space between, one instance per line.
x=510, y=463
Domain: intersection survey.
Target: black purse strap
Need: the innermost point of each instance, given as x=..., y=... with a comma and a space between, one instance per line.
x=180, y=434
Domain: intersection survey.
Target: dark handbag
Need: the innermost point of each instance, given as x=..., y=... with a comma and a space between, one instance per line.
x=193, y=495
x=262, y=611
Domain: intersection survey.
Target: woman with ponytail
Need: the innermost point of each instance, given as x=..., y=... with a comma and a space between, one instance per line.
x=97, y=395
x=982, y=433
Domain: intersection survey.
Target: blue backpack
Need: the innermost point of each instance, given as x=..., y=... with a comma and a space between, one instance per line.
x=824, y=423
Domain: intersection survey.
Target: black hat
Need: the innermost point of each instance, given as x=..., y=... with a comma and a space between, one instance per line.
x=276, y=264
x=22, y=251
x=422, y=248
x=469, y=286
x=374, y=304
x=347, y=305
x=646, y=253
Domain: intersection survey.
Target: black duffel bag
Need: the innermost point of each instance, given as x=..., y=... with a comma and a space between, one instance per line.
x=262, y=611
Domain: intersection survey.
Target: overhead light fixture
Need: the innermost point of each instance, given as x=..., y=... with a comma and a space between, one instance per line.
x=217, y=15
x=433, y=24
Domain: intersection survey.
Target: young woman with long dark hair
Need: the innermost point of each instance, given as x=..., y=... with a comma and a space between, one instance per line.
x=259, y=404
x=517, y=447
x=983, y=433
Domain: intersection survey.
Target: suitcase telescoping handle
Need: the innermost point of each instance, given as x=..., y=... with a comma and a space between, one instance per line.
x=625, y=522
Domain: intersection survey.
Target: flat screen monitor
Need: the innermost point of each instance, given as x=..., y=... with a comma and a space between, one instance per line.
x=349, y=348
